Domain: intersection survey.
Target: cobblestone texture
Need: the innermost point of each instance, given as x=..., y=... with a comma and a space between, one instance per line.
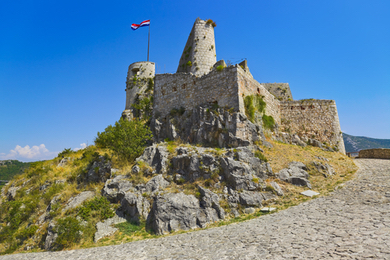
x=352, y=223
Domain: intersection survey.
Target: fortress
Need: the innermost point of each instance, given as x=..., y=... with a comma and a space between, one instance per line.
x=202, y=81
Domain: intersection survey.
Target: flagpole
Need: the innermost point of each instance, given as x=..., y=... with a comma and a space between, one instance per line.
x=148, y=41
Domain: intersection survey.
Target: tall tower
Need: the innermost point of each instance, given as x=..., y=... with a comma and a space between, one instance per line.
x=139, y=84
x=199, y=54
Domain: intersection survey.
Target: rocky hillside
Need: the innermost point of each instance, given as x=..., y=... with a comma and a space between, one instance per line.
x=357, y=143
x=90, y=198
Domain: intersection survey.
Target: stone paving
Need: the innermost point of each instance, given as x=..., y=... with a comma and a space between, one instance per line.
x=352, y=223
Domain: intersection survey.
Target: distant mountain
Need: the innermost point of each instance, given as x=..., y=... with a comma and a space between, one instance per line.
x=10, y=168
x=357, y=143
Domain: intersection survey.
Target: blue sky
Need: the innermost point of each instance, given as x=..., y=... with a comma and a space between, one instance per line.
x=63, y=64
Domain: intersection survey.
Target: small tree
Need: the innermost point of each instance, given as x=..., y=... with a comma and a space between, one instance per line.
x=126, y=138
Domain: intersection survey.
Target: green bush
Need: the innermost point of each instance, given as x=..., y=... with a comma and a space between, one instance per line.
x=268, y=122
x=189, y=63
x=261, y=156
x=144, y=107
x=65, y=152
x=68, y=230
x=253, y=104
x=220, y=68
x=99, y=207
x=127, y=139
x=27, y=232
x=52, y=191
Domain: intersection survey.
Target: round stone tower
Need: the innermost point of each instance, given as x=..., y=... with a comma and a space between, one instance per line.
x=139, y=83
x=199, y=54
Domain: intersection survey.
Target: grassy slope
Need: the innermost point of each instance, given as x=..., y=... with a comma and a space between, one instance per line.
x=36, y=201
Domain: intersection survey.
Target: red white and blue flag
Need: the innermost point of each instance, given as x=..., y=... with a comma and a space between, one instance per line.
x=136, y=26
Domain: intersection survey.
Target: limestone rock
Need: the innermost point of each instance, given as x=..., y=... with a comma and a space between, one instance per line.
x=277, y=188
x=11, y=193
x=135, y=206
x=209, y=126
x=50, y=237
x=192, y=166
x=295, y=174
x=78, y=200
x=114, y=189
x=173, y=211
x=238, y=174
x=105, y=228
x=155, y=156
x=326, y=169
x=314, y=142
x=99, y=170
x=45, y=185
x=251, y=199
x=156, y=183
x=63, y=162
x=211, y=200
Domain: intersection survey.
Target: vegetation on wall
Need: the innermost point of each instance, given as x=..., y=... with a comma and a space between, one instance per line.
x=255, y=104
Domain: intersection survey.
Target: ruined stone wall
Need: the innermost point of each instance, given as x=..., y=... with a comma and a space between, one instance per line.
x=188, y=91
x=247, y=85
x=199, y=49
x=281, y=91
x=380, y=153
x=316, y=119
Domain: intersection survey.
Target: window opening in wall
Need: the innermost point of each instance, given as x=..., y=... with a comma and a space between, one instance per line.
x=258, y=90
x=135, y=71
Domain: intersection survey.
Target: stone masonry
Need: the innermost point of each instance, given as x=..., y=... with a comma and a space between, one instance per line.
x=199, y=54
x=380, y=153
x=315, y=119
x=137, y=82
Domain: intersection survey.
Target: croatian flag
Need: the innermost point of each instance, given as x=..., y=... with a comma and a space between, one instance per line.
x=136, y=26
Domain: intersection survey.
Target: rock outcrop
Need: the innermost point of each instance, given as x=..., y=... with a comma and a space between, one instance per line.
x=208, y=126
x=114, y=189
x=296, y=174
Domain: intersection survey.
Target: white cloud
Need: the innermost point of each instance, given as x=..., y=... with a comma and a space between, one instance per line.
x=82, y=146
x=27, y=153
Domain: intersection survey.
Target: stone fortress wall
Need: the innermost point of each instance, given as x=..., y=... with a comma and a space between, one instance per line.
x=188, y=91
x=203, y=83
x=280, y=90
x=379, y=153
x=315, y=119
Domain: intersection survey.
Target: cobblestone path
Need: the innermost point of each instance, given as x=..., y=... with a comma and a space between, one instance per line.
x=352, y=223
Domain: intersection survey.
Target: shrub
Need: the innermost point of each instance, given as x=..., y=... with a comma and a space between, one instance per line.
x=220, y=68
x=253, y=104
x=99, y=207
x=268, y=122
x=68, y=230
x=261, y=156
x=189, y=63
x=127, y=139
x=65, y=152
x=211, y=22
